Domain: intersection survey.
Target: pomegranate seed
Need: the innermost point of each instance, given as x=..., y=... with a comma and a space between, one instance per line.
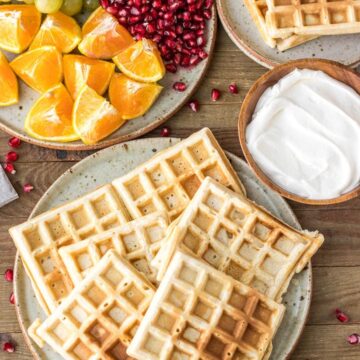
x=179, y=86
x=215, y=94
x=14, y=142
x=203, y=54
x=11, y=156
x=233, y=88
x=12, y=298
x=353, y=339
x=9, y=347
x=165, y=132
x=194, y=105
x=171, y=68
x=9, y=275
x=28, y=188
x=342, y=317
x=9, y=167
x=112, y=10
x=104, y=3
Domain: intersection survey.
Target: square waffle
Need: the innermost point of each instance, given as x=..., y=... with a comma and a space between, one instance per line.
x=238, y=237
x=137, y=241
x=39, y=239
x=201, y=313
x=101, y=315
x=258, y=10
x=169, y=180
x=312, y=17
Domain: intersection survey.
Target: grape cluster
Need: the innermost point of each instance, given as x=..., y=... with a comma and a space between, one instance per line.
x=68, y=7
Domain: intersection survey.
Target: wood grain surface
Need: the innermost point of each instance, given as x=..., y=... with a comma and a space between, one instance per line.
x=336, y=267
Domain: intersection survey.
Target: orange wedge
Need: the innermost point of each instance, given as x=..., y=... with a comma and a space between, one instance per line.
x=94, y=117
x=132, y=98
x=80, y=70
x=50, y=116
x=103, y=36
x=58, y=30
x=18, y=26
x=9, y=90
x=41, y=68
x=142, y=61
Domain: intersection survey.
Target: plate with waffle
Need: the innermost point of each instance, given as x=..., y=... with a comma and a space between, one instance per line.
x=273, y=32
x=162, y=249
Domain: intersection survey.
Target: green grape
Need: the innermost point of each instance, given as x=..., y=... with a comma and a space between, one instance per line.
x=91, y=4
x=48, y=6
x=71, y=7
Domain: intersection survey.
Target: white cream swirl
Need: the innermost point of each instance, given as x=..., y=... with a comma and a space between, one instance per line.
x=305, y=135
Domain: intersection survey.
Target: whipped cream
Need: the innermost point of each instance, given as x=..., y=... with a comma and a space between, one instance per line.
x=305, y=135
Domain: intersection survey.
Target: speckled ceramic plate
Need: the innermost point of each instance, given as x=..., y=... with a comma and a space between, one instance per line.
x=242, y=30
x=115, y=161
x=12, y=118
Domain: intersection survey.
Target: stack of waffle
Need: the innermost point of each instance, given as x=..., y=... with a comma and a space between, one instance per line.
x=288, y=23
x=170, y=261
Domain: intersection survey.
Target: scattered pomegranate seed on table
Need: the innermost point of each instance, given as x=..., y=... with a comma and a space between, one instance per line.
x=341, y=316
x=233, y=88
x=9, y=275
x=28, y=188
x=12, y=298
x=353, y=339
x=215, y=94
x=9, y=347
x=10, y=168
x=11, y=156
x=177, y=26
x=14, y=142
x=194, y=105
x=165, y=131
x=179, y=86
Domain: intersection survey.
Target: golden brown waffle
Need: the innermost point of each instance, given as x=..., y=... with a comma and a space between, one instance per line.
x=312, y=17
x=39, y=239
x=258, y=10
x=236, y=236
x=165, y=183
x=137, y=241
x=169, y=180
x=201, y=313
x=101, y=315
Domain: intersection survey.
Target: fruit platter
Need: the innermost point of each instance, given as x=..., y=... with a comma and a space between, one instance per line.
x=79, y=76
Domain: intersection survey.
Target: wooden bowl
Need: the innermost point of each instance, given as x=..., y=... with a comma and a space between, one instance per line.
x=333, y=69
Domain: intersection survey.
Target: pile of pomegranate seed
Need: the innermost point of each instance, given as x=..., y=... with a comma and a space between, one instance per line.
x=177, y=26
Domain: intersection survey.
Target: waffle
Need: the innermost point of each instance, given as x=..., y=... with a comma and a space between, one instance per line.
x=243, y=240
x=39, y=239
x=101, y=315
x=312, y=17
x=169, y=180
x=137, y=241
x=201, y=313
x=258, y=10
x=165, y=183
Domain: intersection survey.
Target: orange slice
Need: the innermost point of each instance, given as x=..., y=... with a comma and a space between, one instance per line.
x=94, y=117
x=18, y=26
x=58, y=30
x=130, y=97
x=50, y=118
x=80, y=70
x=103, y=36
x=41, y=68
x=9, y=90
x=141, y=62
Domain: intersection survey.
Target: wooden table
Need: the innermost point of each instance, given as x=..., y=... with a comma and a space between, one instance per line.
x=336, y=267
